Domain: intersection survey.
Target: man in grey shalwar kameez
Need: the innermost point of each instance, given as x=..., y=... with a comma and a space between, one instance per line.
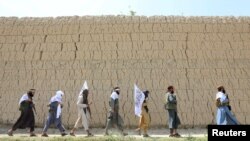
x=114, y=117
x=171, y=106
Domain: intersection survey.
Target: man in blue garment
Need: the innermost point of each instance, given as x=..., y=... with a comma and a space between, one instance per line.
x=54, y=116
x=224, y=115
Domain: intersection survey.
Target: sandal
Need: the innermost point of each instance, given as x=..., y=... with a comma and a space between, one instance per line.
x=171, y=135
x=44, y=135
x=177, y=135
x=106, y=134
x=90, y=135
x=32, y=135
x=63, y=134
x=138, y=130
x=124, y=134
x=10, y=133
x=146, y=135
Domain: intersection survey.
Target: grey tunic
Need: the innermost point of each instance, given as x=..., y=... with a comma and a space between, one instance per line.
x=173, y=119
x=83, y=113
x=114, y=117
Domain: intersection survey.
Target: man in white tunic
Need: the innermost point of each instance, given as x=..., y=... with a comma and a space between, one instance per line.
x=83, y=113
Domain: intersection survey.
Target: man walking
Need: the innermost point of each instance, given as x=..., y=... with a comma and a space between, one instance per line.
x=114, y=117
x=27, y=118
x=171, y=106
x=54, y=116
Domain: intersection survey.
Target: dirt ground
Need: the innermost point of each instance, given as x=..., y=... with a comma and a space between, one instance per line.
x=153, y=132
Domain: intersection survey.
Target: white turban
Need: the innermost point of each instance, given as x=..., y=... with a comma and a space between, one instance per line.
x=57, y=97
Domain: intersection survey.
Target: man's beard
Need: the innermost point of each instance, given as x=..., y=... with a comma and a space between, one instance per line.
x=31, y=95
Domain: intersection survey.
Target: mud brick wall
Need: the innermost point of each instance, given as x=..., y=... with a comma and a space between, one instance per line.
x=195, y=54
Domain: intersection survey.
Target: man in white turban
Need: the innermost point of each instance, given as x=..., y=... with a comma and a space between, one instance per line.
x=54, y=116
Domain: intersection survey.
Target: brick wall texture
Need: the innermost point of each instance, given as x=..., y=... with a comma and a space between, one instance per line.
x=195, y=54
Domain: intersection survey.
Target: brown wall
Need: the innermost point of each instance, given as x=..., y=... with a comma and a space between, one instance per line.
x=195, y=54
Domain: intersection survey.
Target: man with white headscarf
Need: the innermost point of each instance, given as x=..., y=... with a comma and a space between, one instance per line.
x=27, y=118
x=54, y=116
x=114, y=117
x=224, y=115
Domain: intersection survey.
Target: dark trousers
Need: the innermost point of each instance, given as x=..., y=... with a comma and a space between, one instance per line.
x=114, y=119
x=51, y=119
x=26, y=119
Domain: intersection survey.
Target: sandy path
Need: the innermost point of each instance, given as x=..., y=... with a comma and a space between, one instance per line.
x=194, y=132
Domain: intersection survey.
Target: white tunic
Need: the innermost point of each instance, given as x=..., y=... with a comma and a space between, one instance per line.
x=81, y=114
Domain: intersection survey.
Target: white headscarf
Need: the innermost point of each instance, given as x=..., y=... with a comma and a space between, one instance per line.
x=57, y=97
x=220, y=95
x=23, y=98
x=114, y=95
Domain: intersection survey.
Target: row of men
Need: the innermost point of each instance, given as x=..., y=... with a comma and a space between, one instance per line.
x=27, y=108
